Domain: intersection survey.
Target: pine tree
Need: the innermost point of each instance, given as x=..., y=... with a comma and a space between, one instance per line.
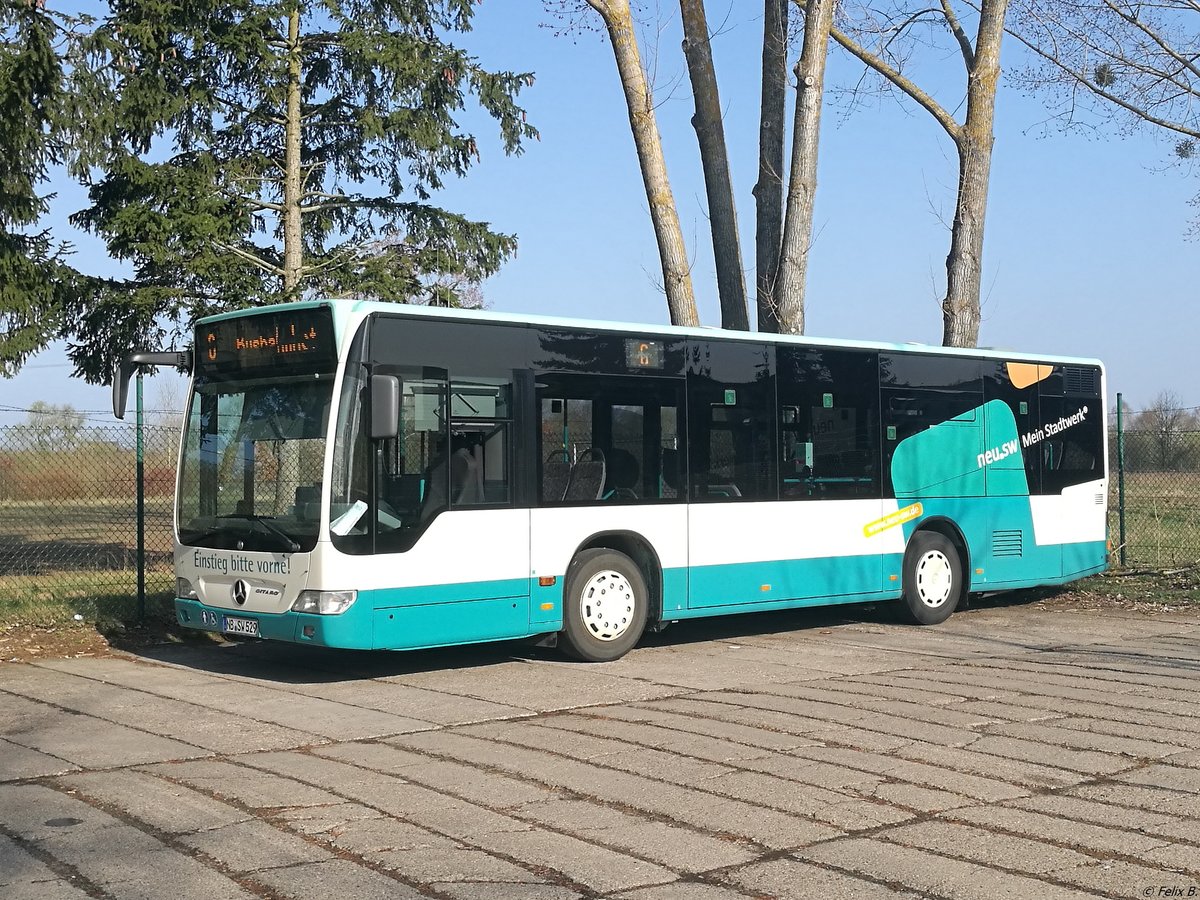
x=34, y=280
x=254, y=151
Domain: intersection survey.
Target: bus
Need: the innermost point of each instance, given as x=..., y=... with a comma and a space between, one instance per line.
x=370, y=475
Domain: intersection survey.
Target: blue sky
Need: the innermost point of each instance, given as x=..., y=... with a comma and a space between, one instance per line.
x=1086, y=251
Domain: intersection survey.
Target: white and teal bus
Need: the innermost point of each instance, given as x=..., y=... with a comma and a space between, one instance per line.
x=377, y=476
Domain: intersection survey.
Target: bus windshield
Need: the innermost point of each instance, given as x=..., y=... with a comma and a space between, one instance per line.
x=252, y=461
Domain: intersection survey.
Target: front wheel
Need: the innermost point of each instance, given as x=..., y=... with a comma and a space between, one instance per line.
x=933, y=578
x=604, y=606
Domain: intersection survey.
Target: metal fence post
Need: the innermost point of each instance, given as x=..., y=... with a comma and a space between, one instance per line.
x=141, y=504
x=1121, y=481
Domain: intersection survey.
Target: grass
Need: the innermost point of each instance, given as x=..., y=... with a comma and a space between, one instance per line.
x=72, y=557
x=1162, y=518
x=99, y=597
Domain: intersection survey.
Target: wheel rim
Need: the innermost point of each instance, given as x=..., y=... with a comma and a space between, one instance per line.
x=606, y=605
x=935, y=579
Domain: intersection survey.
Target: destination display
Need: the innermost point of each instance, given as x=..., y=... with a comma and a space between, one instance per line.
x=297, y=340
x=640, y=354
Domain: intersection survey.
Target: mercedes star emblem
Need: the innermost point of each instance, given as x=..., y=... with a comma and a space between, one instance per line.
x=240, y=591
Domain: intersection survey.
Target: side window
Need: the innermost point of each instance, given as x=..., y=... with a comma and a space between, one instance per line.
x=1072, y=441
x=608, y=440
x=411, y=486
x=933, y=425
x=932, y=443
x=565, y=434
x=828, y=423
x=480, y=429
x=731, y=422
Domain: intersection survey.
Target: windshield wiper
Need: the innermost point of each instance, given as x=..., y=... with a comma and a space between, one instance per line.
x=270, y=526
x=273, y=529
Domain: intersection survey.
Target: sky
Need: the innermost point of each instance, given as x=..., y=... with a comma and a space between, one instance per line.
x=1086, y=250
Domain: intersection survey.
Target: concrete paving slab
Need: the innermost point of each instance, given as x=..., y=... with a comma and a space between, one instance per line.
x=544, y=686
x=159, y=804
x=250, y=788
x=931, y=873
x=18, y=867
x=246, y=847
x=17, y=763
x=669, y=845
x=336, y=878
x=792, y=879
x=491, y=891
x=1017, y=751
x=83, y=740
x=688, y=724
x=674, y=741
x=191, y=722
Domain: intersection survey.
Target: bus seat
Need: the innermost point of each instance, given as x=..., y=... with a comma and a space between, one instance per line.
x=621, y=479
x=556, y=474
x=587, y=476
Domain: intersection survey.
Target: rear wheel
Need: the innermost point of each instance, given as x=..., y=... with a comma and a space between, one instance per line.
x=604, y=606
x=933, y=578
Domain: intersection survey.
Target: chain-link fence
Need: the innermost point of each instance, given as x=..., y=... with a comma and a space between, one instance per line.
x=69, y=522
x=1155, y=487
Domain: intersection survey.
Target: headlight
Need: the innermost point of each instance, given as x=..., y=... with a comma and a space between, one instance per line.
x=184, y=590
x=324, y=603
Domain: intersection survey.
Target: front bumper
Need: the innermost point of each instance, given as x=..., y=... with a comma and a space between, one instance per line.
x=351, y=630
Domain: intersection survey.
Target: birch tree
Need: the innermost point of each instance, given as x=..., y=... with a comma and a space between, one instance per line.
x=791, y=279
x=639, y=102
x=881, y=37
x=710, y=133
x=768, y=190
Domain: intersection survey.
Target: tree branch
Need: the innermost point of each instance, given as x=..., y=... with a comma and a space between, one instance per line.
x=1154, y=36
x=956, y=29
x=1078, y=78
x=251, y=258
x=875, y=62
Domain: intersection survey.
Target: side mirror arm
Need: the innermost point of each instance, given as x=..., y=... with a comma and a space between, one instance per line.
x=181, y=359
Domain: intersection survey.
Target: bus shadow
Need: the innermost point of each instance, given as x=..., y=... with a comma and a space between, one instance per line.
x=287, y=663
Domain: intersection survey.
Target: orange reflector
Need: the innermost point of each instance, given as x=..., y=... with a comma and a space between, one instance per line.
x=547, y=606
x=765, y=587
x=979, y=571
x=893, y=577
x=547, y=581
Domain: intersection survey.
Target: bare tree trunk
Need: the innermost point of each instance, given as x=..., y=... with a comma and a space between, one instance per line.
x=802, y=180
x=677, y=278
x=710, y=133
x=964, y=264
x=768, y=192
x=293, y=248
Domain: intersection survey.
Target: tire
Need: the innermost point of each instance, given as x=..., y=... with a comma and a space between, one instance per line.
x=604, y=606
x=933, y=579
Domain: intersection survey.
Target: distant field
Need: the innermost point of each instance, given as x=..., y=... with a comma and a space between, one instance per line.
x=61, y=558
x=1162, y=518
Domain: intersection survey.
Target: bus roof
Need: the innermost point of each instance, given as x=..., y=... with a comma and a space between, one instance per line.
x=345, y=308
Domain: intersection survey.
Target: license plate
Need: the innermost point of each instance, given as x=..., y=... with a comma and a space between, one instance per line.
x=235, y=625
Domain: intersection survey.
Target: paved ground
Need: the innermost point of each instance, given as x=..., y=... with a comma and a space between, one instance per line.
x=1017, y=751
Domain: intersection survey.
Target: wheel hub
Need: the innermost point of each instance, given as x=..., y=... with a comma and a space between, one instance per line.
x=935, y=579
x=606, y=605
